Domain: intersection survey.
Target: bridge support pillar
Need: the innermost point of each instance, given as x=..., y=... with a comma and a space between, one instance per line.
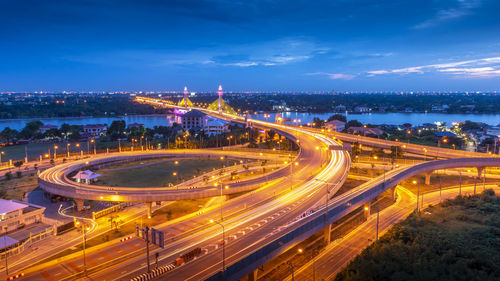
x=428, y=178
x=252, y=276
x=393, y=193
x=366, y=209
x=328, y=233
x=480, y=172
x=148, y=208
x=79, y=204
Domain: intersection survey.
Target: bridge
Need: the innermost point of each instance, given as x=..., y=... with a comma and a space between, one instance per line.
x=276, y=217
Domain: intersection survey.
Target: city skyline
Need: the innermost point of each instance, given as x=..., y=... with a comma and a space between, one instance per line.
x=262, y=46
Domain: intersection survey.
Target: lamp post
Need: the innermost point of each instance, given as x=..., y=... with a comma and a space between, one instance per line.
x=223, y=248
x=84, y=238
x=55, y=151
x=418, y=191
x=93, y=141
x=67, y=149
x=6, y=252
x=1, y=153
x=326, y=198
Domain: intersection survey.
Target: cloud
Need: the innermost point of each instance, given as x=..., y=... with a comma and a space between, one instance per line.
x=480, y=68
x=333, y=76
x=268, y=53
x=463, y=8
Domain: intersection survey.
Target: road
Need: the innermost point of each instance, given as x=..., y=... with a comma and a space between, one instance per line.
x=245, y=218
x=339, y=253
x=55, y=180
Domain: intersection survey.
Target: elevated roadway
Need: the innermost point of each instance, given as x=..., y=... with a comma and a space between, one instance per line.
x=246, y=219
x=56, y=179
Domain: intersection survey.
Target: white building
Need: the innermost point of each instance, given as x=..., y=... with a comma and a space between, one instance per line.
x=216, y=127
x=95, y=129
x=335, y=125
x=194, y=119
x=16, y=214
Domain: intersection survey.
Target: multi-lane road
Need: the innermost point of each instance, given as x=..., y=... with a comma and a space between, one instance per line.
x=248, y=220
x=251, y=221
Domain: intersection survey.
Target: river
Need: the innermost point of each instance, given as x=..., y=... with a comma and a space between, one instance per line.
x=374, y=118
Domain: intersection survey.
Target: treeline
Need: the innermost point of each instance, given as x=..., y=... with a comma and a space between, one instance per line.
x=75, y=106
x=456, y=240
x=458, y=103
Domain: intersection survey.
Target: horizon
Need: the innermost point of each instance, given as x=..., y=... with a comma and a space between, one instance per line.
x=293, y=46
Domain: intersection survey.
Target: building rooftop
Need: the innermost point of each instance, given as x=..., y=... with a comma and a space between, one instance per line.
x=86, y=175
x=445, y=134
x=194, y=113
x=7, y=206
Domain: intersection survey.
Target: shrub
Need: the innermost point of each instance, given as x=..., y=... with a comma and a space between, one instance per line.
x=8, y=175
x=19, y=174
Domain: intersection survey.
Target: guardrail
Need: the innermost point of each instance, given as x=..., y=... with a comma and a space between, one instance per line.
x=341, y=207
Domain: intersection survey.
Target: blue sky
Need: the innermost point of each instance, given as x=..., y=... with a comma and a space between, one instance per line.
x=268, y=45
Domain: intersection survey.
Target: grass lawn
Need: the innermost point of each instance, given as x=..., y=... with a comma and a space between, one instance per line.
x=160, y=174
x=16, y=152
x=14, y=188
x=455, y=240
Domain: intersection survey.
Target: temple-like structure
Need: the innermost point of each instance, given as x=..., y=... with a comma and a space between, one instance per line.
x=186, y=102
x=220, y=105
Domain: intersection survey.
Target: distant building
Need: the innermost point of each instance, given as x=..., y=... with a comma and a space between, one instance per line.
x=47, y=127
x=216, y=127
x=135, y=125
x=194, y=119
x=365, y=131
x=444, y=134
x=340, y=108
x=86, y=176
x=95, y=130
x=335, y=125
x=493, y=131
x=15, y=214
x=362, y=109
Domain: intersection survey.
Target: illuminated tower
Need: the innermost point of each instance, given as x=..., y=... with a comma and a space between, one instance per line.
x=185, y=96
x=219, y=93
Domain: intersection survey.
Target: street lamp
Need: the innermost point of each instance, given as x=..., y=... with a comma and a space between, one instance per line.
x=418, y=191
x=223, y=248
x=84, y=238
x=55, y=151
x=1, y=153
x=326, y=198
x=67, y=148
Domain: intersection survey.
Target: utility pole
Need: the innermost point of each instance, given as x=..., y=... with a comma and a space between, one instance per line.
x=460, y=184
x=440, y=189
x=147, y=246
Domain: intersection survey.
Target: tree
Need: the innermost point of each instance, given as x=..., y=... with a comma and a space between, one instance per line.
x=355, y=150
x=31, y=129
x=65, y=130
x=339, y=117
x=353, y=123
x=8, y=134
x=116, y=129
x=271, y=134
x=18, y=164
x=318, y=123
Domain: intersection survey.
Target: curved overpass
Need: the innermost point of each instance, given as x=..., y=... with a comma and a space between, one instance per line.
x=252, y=216
x=430, y=151
x=55, y=180
x=279, y=241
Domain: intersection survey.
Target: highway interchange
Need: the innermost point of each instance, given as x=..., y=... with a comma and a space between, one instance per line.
x=251, y=221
